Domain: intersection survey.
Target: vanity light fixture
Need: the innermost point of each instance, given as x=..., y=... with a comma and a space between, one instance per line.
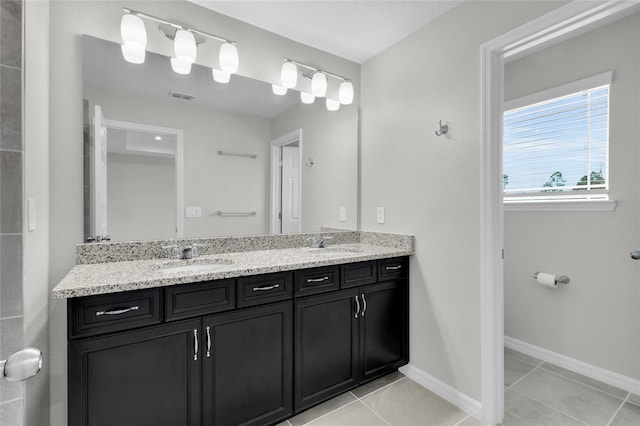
x=289, y=74
x=220, y=76
x=158, y=138
x=278, y=90
x=332, y=105
x=307, y=98
x=319, y=84
x=134, y=42
x=345, y=93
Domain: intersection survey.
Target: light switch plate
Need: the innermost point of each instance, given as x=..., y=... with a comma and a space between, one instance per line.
x=193, y=212
x=380, y=212
x=343, y=214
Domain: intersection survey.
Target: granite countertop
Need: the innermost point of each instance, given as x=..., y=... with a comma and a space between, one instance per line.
x=113, y=277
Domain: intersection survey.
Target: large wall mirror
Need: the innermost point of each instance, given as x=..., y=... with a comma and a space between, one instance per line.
x=182, y=156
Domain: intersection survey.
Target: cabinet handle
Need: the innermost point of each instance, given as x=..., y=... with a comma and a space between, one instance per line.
x=269, y=287
x=117, y=311
x=393, y=268
x=364, y=302
x=357, y=306
x=208, y=342
x=195, y=345
x=317, y=280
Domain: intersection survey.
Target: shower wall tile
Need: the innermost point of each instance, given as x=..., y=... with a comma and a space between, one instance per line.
x=11, y=33
x=12, y=413
x=10, y=275
x=10, y=192
x=11, y=336
x=10, y=107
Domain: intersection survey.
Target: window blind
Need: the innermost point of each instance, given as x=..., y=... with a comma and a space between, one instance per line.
x=558, y=147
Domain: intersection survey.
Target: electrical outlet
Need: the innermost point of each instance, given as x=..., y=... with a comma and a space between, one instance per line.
x=380, y=212
x=343, y=214
x=193, y=212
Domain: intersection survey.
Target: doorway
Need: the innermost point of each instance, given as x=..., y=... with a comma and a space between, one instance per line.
x=286, y=184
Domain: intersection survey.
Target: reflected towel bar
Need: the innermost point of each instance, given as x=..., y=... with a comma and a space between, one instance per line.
x=221, y=213
x=238, y=154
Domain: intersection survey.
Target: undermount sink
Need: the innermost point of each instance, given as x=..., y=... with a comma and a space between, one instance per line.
x=333, y=250
x=193, y=265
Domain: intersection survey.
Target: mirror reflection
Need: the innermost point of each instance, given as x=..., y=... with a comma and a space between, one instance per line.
x=181, y=156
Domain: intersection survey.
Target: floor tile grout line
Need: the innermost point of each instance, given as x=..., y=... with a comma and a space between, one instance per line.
x=539, y=362
x=332, y=411
x=371, y=409
x=552, y=408
x=11, y=400
x=462, y=420
x=584, y=384
x=520, y=379
x=380, y=388
x=624, y=401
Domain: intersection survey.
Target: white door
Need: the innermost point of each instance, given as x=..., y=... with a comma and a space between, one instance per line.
x=99, y=175
x=290, y=189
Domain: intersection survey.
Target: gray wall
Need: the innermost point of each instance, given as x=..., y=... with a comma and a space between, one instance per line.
x=429, y=184
x=595, y=319
x=330, y=138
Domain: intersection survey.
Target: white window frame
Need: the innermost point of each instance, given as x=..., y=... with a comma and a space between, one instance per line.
x=593, y=200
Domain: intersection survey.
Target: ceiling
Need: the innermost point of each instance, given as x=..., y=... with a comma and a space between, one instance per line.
x=354, y=30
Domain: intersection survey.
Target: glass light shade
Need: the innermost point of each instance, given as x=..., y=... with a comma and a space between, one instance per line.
x=319, y=85
x=345, y=93
x=133, y=52
x=332, y=105
x=307, y=98
x=289, y=75
x=132, y=30
x=220, y=76
x=184, y=45
x=180, y=67
x=229, y=59
x=278, y=90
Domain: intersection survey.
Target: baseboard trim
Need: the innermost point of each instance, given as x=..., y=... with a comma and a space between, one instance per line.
x=606, y=376
x=443, y=390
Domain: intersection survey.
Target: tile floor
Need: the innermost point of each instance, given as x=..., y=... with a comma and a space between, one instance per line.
x=536, y=394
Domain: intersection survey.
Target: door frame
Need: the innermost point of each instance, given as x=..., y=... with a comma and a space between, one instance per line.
x=275, y=179
x=179, y=161
x=567, y=21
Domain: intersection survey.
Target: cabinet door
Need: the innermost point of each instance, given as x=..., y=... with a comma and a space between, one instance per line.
x=384, y=326
x=326, y=346
x=143, y=377
x=248, y=366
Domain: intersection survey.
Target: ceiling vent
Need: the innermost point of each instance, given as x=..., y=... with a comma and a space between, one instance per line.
x=181, y=96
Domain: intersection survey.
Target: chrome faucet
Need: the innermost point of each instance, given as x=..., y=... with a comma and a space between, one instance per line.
x=191, y=252
x=318, y=242
x=175, y=252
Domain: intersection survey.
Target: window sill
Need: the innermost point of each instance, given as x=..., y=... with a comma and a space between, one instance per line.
x=560, y=206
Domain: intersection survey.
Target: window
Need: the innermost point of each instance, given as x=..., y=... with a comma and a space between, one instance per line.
x=556, y=143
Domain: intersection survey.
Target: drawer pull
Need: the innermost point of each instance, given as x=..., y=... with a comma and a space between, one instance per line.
x=357, y=306
x=195, y=344
x=393, y=268
x=265, y=288
x=208, y=342
x=317, y=280
x=117, y=311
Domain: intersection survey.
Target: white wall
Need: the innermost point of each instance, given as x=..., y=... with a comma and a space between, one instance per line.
x=211, y=182
x=429, y=184
x=141, y=194
x=595, y=318
x=330, y=138
x=261, y=58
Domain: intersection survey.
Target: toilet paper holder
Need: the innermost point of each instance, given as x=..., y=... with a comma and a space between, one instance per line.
x=562, y=279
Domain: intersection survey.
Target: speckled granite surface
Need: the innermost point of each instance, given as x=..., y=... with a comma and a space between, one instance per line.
x=101, y=278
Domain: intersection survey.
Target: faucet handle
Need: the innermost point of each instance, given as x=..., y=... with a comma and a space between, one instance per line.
x=324, y=239
x=195, y=252
x=175, y=251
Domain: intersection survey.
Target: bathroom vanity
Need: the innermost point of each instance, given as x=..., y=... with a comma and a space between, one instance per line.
x=264, y=336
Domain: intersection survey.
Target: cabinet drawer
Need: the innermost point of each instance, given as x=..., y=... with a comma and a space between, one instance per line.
x=317, y=280
x=185, y=301
x=265, y=288
x=107, y=313
x=356, y=274
x=396, y=267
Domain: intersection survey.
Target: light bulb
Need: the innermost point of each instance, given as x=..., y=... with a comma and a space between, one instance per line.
x=134, y=38
x=228, y=58
x=345, y=93
x=180, y=67
x=332, y=105
x=133, y=52
x=184, y=45
x=220, y=76
x=319, y=85
x=278, y=90
x=289, y=75
x=307, y=98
